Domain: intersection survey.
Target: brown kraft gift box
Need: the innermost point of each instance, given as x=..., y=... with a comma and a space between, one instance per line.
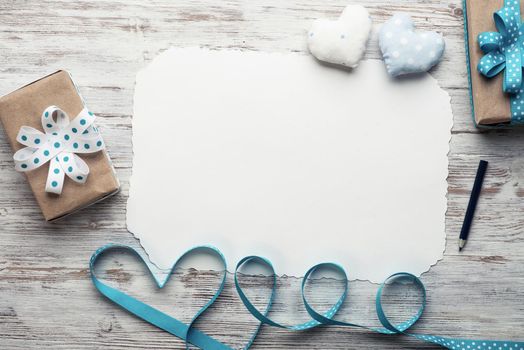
x=491, y=106
x=24, y=107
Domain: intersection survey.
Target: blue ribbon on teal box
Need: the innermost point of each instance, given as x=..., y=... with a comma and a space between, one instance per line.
x=504, y=52
x=190, y=335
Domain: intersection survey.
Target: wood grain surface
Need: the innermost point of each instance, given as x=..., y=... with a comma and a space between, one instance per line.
x=46, y=296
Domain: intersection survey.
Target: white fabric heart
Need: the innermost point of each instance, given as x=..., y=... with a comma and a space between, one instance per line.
x=342, y=41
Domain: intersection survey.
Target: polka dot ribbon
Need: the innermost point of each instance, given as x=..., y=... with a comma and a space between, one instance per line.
x=59, y=146
x=504, y=51
x=190, y=335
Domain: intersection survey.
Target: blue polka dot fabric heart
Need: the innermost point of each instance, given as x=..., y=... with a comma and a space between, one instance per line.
x=406, y=51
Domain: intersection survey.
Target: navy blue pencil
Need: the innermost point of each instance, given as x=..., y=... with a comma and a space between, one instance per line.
x=475, y=193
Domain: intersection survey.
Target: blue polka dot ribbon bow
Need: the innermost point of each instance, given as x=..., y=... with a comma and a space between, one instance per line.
x=59, y=146
x=504, y=51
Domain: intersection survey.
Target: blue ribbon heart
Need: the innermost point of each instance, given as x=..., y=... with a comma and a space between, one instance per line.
x=504, y=51
x=187, y=333
x=155, y=316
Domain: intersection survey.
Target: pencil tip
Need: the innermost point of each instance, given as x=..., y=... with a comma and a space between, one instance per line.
x=460, y=249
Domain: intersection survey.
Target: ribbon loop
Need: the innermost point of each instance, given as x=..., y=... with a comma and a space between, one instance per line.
x=261, y=316
x=58, y=146
x=490, y=41
x=54, y=119
x=31, y=137
x=326, y=317
x=389, y=328
x=507, y=20
x=492, y=64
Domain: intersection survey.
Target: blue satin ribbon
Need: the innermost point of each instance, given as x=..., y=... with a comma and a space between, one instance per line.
x=193, y=336
x=504, y=51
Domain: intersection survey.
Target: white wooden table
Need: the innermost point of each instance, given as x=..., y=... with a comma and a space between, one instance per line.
x=46, y=296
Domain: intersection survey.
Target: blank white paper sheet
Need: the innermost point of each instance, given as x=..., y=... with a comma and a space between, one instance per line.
x=280, y=156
